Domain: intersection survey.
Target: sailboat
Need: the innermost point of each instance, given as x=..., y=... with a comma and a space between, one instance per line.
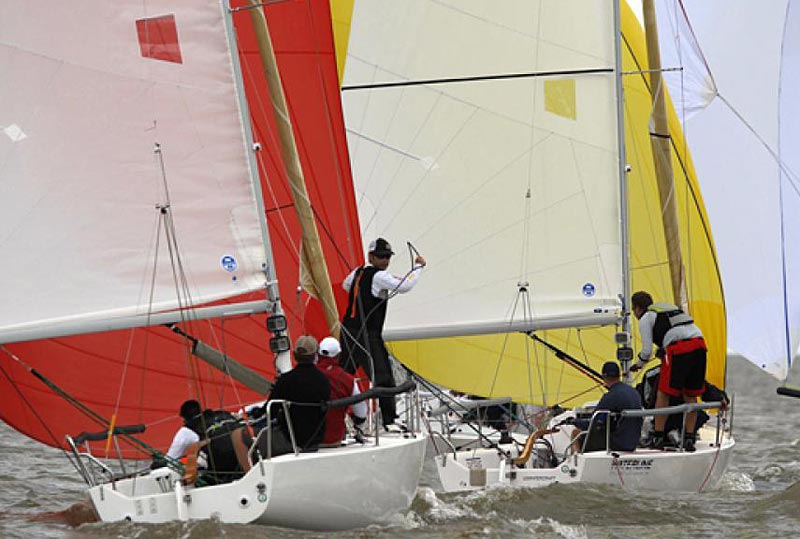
x=498, y=139
x=151, y=210
x=741, y=125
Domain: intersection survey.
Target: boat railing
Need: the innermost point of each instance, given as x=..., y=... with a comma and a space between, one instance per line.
x=684, y=409
x=91, y=469
x=461, y=407
x=435, y=436
x=267, y=430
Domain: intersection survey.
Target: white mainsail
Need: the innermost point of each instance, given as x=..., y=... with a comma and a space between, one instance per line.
x=81, y=232
x=744, y=141
x=512, y=177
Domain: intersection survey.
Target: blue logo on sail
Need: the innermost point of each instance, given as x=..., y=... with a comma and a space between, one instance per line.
x=588, y=290
x=228, y=263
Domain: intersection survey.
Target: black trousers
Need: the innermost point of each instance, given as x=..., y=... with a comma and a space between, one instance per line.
x=355, y=344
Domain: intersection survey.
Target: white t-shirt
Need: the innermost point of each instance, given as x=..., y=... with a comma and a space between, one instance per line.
x=181, y=442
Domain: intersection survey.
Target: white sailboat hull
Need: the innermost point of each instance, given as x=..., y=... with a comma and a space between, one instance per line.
x=332, y=489
x=641, y=469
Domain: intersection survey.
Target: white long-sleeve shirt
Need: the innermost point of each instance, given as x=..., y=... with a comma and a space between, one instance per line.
x=384, y=282
x=646, y=324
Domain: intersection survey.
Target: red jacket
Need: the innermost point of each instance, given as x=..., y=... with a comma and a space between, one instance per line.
x=341, y=387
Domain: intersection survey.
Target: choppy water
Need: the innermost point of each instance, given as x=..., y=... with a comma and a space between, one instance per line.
x=759, y=496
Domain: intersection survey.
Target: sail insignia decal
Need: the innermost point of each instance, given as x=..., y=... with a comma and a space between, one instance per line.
x=158, y=38
x=588, y=290
x=228, y=263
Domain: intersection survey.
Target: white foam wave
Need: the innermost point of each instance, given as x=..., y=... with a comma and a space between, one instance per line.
x=543, y=524
x=737, y=482
x=438, y=509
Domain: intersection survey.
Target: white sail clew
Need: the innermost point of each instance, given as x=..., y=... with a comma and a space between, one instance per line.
x=745, y=148
x=513, y=178
x=87, y=212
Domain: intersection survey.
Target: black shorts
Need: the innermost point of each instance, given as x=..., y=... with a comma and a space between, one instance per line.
x=683, y=371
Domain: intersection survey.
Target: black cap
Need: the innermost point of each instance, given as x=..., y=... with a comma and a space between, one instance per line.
x=190, y=409
x=380, y=247
x=610, y=369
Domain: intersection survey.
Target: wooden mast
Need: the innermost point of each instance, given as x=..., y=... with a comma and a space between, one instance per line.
x=660, y=142
x=312, y=258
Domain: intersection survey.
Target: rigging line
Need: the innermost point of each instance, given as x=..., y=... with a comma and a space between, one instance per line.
x=786, y=321
x=563, y=365
x=455, y=405
x=277, y=208
x=424, y=177
x=585, y=369
x=576, y=395
x=330, y=236
x=638, y=151
x=341, y=156
x=56, y=441
x=16, y=386
x=783, y=167
x=682, y=152
x=182, y=294
x=227, y=374
x=589, y=213
x=382, y=147
x=91, y=414
x=126, y=361
x=506, y=337
x=706, y=227
x=390, y=294
x=478, y=78
x=272, y=143
x=542, y=376
x=485, y=183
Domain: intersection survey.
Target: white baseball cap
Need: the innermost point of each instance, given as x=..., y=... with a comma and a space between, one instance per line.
x=329, y=347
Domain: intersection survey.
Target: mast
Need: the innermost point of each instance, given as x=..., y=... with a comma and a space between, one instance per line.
x=660, y=143
x=624, y=341
x=311, y=251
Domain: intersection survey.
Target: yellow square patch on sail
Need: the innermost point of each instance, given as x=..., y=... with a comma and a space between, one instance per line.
x=559, y=97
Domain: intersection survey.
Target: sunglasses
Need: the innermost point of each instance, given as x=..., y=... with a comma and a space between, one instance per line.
x=382, y=257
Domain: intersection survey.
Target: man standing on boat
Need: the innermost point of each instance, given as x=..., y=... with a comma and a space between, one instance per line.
x=683, y=351
x=369, y=287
